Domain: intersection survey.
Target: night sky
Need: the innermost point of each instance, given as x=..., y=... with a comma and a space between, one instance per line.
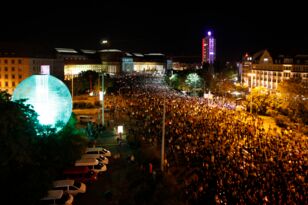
x=170, y=27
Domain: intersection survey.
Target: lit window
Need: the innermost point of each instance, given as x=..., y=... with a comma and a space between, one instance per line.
x=265, y=59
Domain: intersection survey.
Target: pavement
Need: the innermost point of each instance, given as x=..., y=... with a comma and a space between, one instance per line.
x=130, y=182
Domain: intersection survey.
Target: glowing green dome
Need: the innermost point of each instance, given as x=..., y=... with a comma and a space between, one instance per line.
x=49, y=97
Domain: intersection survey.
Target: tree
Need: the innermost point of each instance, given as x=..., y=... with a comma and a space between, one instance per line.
x=293, y=96
x=32, y=155
x=24, y=181
x=260, y=99
x=193, y=81
x=174, y=81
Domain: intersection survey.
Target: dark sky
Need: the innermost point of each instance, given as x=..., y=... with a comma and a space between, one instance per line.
x=170, y=27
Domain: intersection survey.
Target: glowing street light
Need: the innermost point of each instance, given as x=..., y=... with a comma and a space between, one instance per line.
x=120, y=131
x=104, y=42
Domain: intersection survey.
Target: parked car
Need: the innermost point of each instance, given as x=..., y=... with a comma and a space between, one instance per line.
x=80, y=174
x=57, y=197
x=92, y=164
x=101, y=158
x=70, y=186
x=98, y=150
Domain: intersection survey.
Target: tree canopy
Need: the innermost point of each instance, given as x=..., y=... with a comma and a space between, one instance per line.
x=31, y=155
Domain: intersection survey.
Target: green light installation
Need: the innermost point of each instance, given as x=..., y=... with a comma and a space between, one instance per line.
x=50, y=98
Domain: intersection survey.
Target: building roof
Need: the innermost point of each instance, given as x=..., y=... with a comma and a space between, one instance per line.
x=280, y=57
x=256, y=57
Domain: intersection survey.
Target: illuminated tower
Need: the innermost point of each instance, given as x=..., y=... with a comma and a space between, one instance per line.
x=208, y=48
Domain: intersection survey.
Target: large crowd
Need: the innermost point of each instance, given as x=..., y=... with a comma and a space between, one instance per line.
x=226, y=154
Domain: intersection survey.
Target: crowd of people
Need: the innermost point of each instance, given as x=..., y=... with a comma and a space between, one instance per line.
x=226, y=155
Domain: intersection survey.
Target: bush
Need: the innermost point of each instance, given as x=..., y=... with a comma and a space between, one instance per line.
x=271, y=112
x=282, y=121
x=305, y=130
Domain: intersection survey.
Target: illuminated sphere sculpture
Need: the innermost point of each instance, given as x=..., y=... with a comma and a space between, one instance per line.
x=49, y=97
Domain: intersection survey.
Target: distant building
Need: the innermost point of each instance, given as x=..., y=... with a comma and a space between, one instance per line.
x=209, y=48
x=77, y=61
x=261, y=69
x=180, y=63
x=21, y=61
x=16, y=64
x=112, y=61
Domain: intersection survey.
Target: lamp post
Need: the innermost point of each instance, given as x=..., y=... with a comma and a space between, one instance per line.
x=102, y=98
x=72, y=84
x=163, y=138
x=103, y=42
x=251, y=76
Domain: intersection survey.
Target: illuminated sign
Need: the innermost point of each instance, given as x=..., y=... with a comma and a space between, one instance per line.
x=45, y=69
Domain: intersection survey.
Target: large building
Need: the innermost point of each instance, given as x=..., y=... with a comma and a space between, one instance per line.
x=208, y=48
x=21, y=61
x=262, y=69
x=180, y=63
x=17, y=64
x=112, y=61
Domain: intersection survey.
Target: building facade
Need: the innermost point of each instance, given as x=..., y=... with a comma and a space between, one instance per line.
x=15, y=69
x=112, y=61
x=261, y=69
x=208, y=48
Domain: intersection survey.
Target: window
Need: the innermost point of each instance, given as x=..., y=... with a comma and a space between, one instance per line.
x=13, y=84
x=13, y=76
x=19, y=76
x=5, y=61
x=6, y=84
x=5, y=69
x=13, y=61
x=19, y=61
x=6, y=76
x=13, y=68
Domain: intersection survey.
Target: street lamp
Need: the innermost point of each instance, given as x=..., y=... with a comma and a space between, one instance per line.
x=103, y=41
x=163, y=138
x=72, y=75
x=101, y=96
x=251, y=76
x=120, y=131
